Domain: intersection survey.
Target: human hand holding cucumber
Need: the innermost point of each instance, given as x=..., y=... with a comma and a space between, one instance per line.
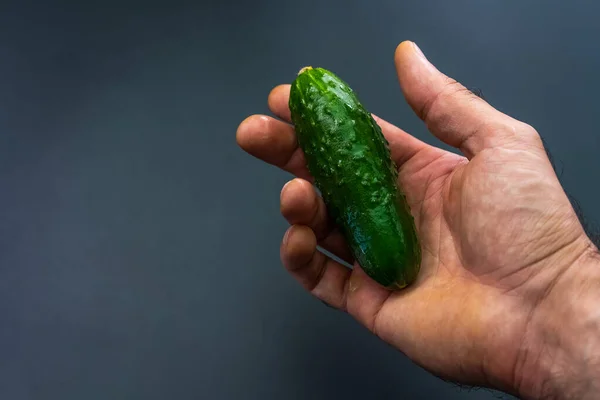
x=498, y=286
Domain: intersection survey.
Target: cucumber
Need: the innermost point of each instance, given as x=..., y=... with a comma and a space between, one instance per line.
x=349, y=158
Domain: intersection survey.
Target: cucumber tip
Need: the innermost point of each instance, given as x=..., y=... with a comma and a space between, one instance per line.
x=305, y=69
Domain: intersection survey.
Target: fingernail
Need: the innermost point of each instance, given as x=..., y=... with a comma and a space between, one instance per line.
x=419, y=51
x=286, y=237
x=285, y=186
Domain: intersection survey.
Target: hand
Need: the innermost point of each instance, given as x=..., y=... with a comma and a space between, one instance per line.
x=498, y=234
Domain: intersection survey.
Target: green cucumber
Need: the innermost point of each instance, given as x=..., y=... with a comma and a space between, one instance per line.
x=349, y=158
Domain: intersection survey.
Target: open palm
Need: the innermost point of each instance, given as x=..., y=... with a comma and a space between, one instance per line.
x=497, y=231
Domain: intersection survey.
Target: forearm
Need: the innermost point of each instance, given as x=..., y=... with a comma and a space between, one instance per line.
x=560, y=354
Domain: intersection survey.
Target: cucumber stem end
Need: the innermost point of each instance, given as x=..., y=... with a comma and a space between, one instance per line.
x=305, y=69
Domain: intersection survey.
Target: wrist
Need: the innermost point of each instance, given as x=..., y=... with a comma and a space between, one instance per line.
x=559, y=357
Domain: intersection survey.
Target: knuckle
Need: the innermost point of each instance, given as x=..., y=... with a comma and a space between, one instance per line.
x=448, y=94
x=516, y=133
x=527, y=134
x=528, y=131
x=454, y=88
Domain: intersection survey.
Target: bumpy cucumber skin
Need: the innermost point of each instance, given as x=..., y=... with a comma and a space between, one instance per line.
x=349, y=158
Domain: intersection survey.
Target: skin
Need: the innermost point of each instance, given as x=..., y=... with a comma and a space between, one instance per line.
x=505, y=298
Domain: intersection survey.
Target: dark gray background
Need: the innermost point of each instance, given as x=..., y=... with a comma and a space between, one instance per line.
x=139, y=247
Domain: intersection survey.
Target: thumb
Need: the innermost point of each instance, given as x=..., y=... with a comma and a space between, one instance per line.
x=451, y=111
